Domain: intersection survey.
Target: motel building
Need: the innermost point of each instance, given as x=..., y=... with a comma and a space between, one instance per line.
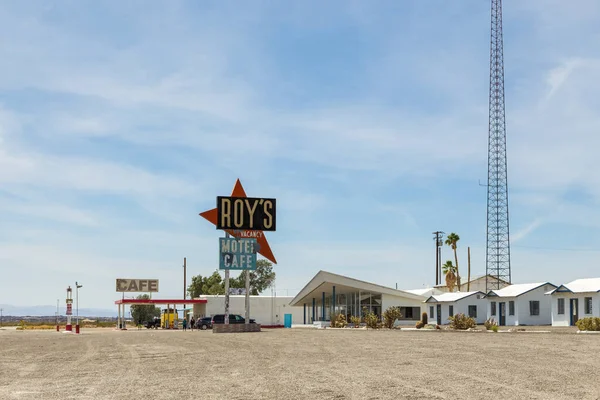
x=575, y=300
x=327, y=294
x=446, y=305
x=521, y=304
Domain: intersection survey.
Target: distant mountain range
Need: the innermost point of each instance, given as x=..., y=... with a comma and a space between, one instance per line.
x=40, y=311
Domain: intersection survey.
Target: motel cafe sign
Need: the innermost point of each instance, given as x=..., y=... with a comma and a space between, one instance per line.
x=137, y=285
x=237, y=254
x=246, y=213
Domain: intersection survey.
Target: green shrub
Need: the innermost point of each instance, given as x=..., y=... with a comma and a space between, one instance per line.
x=390, y=316
x=490, y=323
x=495, y=328
x=424, y=318
x=371, y=319
x=589, y=324
x=355, y=320
x=419, y=324
x=462, y=322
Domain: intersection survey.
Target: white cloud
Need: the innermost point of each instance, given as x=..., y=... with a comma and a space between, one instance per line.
x=523, y=232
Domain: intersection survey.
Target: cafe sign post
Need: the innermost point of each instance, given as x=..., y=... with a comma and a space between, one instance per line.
x=244, y=220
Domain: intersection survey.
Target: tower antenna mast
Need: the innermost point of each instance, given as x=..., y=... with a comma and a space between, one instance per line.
x=498, y=240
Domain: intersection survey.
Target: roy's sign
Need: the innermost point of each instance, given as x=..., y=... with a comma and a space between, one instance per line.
x=237, y=254
x=137, y=285
x=246, y=213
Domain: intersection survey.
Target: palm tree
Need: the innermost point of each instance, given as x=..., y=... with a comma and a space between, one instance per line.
x=452, y=240
x=449, y=271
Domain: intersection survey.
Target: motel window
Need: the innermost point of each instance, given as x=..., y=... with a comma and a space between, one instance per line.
x=451, y=311
x=493, y=307
x=561, y=306
x=534, y=307
x=588, y=305
x=511, y=308
x=431, y=312
x=473, y=311
x=411, y=313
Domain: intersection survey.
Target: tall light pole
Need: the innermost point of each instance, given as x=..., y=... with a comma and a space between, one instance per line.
x=77, y=286
x=1, y=311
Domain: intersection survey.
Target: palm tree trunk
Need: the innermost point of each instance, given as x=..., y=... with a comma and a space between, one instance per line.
x=457, y=273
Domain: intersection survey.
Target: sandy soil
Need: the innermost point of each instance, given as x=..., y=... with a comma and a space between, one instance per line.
x=298, y=364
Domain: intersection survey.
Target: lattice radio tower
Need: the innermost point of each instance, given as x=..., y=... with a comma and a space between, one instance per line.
x=498, y=242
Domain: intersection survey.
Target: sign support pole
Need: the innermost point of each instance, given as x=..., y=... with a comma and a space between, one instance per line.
x=227, y=291
x=247, y=297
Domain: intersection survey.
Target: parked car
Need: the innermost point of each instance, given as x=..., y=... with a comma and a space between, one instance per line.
x=204, y=323
x=233, y=319
x=153, y=324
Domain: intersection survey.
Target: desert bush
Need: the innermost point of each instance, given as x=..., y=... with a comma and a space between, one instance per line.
x=495, y=328
x=490, y=323
x=340, y=321
x=419, y=324
x=371, y=319
x=424, y=318
x=332, y=320
x=390, y=316
x=355, y=320
x=462, y=322
x=589, y=324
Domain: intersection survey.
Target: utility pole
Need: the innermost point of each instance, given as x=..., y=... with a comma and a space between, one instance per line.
x=469, y=269
x=438, y=256
x=77, y=286
x=1, y=311
x=184, y=286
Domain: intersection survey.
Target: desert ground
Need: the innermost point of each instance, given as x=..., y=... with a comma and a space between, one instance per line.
x=298, y=364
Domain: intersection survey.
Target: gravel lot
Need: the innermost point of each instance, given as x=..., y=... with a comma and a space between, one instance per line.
x=298, y=364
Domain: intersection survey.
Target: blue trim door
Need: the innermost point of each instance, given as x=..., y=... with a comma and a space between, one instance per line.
x=574, y=311
x=502, y=314
x=438, y=313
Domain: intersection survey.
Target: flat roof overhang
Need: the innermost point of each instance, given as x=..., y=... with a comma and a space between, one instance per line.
x=325, y=281
x=160, y=301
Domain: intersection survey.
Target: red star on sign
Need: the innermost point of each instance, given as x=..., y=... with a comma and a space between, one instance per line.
x=263, y=244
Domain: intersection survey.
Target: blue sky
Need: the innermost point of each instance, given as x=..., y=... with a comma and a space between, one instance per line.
x=120, y=122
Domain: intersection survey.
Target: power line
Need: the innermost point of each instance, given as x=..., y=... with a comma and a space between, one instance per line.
x=555, y=248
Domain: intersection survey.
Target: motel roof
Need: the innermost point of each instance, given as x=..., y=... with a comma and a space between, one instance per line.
x=451, y=297
x=588, y=285
x=474, y=279
x=324, y=281
x=517, y=289
x=422, y=292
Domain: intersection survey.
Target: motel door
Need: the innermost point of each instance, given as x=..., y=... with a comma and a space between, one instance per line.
x=574, y=303
x=502, y=313
x=438, y=313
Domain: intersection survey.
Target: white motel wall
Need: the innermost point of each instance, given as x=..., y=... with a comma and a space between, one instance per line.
x=266, y=310
x=564, y=319
x=577, y=297
x=460, y=302
x=411, y=308
x=531, y=304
